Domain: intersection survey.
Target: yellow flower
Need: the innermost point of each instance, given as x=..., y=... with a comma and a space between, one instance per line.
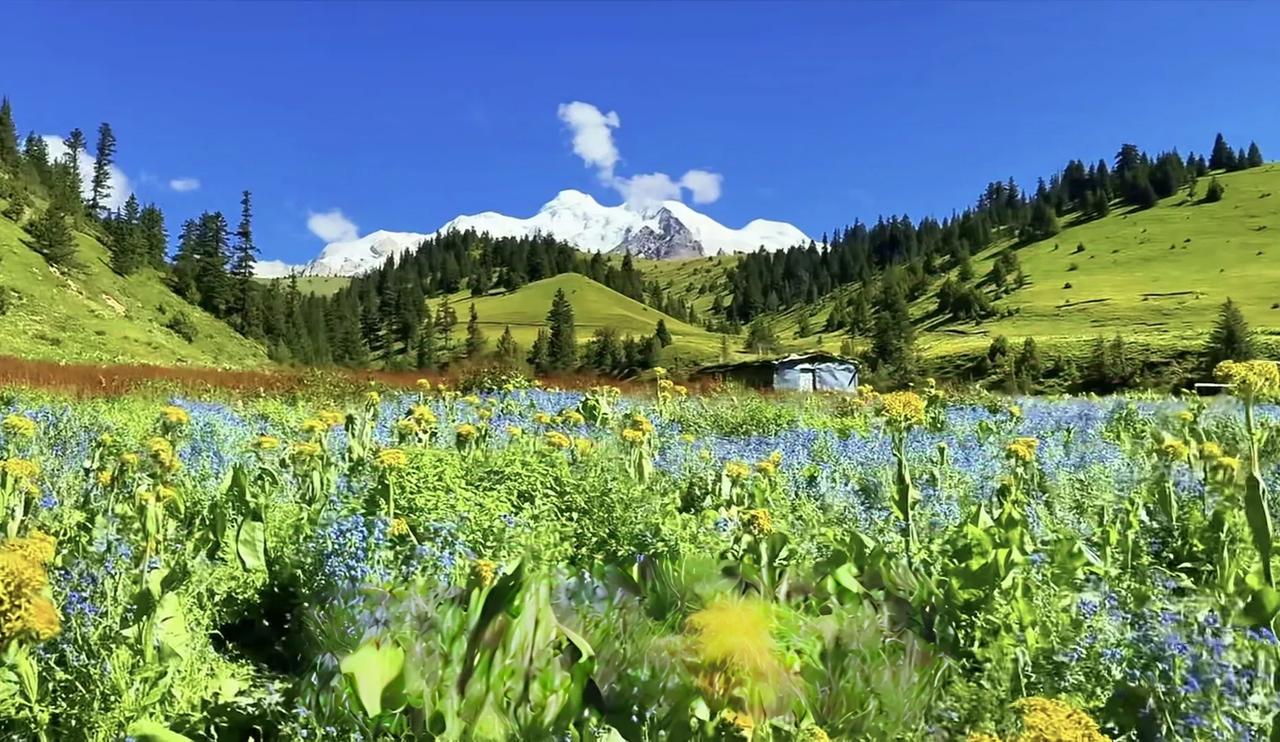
x=484, y=413
x=266, y=443
x=392, y=458
x=406, y=426
x=542, y=418
x=305, y=450
x=19, y=426
x=633, y=436
x=1250, y=378
x=666, y=385
x=680, y=390
x=812, y=733
x=24, y=609
x=514, y=431
x=903, y=409
x=687, y=438
x=422, y=415
x=1186, y=416
x=424, y=385
x=982, y=737
x=175, y=415
x=104, y=478
x=732, y=724
x=471, y=399
x=1211, y=450
x=1227, y=465
x=758, y=522
x=1048, y=720
x=467, y=431
x=659, y=371
x=641, y=423
x=583, y=446
x=767, y=467
x=399, y=527
x=556, y=439
x=573, y=417
x=373, y=399
x=1174, y=450
x=1022, y=449
x=733, y=645
x=1015, y=411
x=484, y=572
x=332, y=418
x=37, y=547
x=314, y=426
x=162, y=454
x=165, y=493
x=736, y=471
x=20, y=469
x=129, y=460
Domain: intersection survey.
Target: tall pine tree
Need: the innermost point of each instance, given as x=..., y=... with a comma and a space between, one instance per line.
x=245, y=307
x=562, y=339
x=100, y=190
x=1230, y=339
x=475, y=336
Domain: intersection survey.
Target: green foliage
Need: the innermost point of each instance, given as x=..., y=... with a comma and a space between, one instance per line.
x=52, y=237
x=1214, y=192
x=1230, y=339
x=181, y=324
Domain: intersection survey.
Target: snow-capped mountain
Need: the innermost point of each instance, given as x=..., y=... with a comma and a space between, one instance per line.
x=667, y=230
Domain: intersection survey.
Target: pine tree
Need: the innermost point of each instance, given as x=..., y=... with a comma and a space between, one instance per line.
x=446, y=320
x=100, y=190
x=1254, y=158
x=893, y=340
x=562, y=348
x=1043, y=223
x=475, y=336
x=507, y=348
x=212, y=246
x=35, y=153
x=662, y=333
x=540, y=352
x=1029, y=367
x=1221, y=157
x=155, y=239
x=1214, y=192
x=52, y=237
x=1230, y=339
x=125, y=243
x=245, y=309
x=427, y=341
x=761, y=338
x=9, y=160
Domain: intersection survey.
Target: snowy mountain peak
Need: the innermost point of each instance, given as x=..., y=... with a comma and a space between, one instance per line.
x=666, y=230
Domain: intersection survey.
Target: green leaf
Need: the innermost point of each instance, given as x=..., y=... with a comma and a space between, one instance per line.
x=154, y=731
x=171, y=626
x=372, y=668
x=251, y=545
x=1263, y=605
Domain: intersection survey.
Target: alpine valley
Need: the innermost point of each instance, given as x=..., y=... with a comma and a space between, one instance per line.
x=666, y=230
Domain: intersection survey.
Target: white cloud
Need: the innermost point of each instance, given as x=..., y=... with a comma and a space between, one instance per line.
x=332, y=226
x=703, y=185
x=593, y=142
x=592, y=135
x=120, y=187
x=185, y=185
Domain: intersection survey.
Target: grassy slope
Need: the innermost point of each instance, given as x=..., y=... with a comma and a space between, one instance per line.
x=594, y=306
x=93, y=315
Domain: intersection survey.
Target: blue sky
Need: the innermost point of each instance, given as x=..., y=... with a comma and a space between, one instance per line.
x=403, y=115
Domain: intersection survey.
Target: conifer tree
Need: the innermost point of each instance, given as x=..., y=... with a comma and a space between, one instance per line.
x=562, y=341
x=125, y=243
x=893, y=340
x=475, y=336
x=507, y=348
x=35, y=152
x=1230, y=339
x=540, y=352
x=52, y=237
x=446, y=320
x=100, y=189
x=155, y=239
x=212, y=246
x=9, y=160
x=1254, y=157
x=662, y=333
x=1215, y=191
x=1221, y=157
x=427, y=354
x=245, y=308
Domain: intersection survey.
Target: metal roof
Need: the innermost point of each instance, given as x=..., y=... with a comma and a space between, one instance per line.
x=822, y=356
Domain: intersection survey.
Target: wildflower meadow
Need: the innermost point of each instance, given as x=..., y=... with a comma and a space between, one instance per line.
x=505, y=562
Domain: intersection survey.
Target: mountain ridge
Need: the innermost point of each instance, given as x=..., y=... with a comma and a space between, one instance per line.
x=667, y=229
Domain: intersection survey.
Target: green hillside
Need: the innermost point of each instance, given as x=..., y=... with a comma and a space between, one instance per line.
x=93, y=315
x=594, y=306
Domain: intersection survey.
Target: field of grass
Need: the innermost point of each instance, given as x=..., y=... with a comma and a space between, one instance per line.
x=594, y=306
x=93, y=315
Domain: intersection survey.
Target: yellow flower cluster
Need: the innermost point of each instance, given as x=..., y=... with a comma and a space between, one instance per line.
x=1175, y=450
x=129, y=460
x=542, y=418
x=583, y=445
x=769, y=466
x=1022, y=449
x=373, y=399
x=22, y=470
x=736, y=471
x=632, y=436
x=1250, y=378
x=466, y=432
x=18, y=426
x=422, y=415
x=305, y=451
x=1211, y=450
x=314, y=426
x=332, y=418
x=758, y=522
x=407, y=427
x=573, y=417
x=484, y=572
x=105, y=478
x=399, y=527
x=556, y=439
x=471, y=399
x=162, y=454
x=266, y=443
x=392, y=458
x=1186, y=416
x=1045, y=719
x=25, y=608
x=812, y=733
x=904, y=409
x=175, y=415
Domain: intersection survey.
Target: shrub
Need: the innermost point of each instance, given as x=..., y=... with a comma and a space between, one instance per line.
x=182, y=326
x=493, y=379
x=6, y=300
x=1214, y=192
